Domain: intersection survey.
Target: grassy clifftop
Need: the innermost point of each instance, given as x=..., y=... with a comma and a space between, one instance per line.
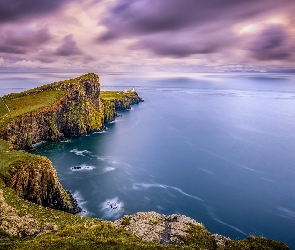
x=21, y=104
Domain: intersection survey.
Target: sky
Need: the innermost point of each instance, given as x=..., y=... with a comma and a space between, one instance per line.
x=147, y=35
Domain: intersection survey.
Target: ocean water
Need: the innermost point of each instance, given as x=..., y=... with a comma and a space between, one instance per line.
x=219, y=148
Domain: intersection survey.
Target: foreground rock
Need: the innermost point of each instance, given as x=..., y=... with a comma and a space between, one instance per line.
x=159, y=228
x=178, y=229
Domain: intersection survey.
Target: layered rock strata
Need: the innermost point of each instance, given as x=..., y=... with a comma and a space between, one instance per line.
x=76, y=113
x=37, y=182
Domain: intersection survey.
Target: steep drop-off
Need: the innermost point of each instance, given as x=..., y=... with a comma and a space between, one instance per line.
x=33, y=178
x=76, y=112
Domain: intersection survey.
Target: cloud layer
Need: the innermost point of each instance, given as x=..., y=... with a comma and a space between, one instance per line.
x=146, y=34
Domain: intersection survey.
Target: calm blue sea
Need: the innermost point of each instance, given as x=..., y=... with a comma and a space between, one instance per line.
x=219, y=148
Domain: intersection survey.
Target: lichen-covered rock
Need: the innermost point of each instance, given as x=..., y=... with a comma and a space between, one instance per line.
x=220, y=240
x=158, y=228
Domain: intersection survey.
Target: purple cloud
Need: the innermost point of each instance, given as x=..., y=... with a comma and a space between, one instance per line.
x=183, y=28
x=69, y=47
x=16, y=10
x=273, y=43
x=21, y=42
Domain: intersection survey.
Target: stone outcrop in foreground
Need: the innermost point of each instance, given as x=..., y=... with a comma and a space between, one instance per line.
x=170, y=229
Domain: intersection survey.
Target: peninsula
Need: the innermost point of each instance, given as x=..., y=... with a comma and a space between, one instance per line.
x=36, y=212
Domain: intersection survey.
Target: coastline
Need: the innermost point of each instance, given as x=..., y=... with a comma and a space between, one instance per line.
x=111, y=115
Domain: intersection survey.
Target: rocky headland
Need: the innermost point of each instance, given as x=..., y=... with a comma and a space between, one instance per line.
x=36, y=212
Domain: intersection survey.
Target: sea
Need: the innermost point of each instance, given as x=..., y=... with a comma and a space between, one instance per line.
x=216, y=147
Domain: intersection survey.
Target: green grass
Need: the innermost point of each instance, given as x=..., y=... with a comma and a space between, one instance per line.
x=3, y=108
x=111, y=95
x=73, y=232
x=20, y=104
x=116, y=95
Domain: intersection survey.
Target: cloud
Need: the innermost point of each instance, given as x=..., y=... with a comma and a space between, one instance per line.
x=272, y=43
x=18, y=42
x=16, y=10
x=184, y=28
x=147, y=34
x=69, y=47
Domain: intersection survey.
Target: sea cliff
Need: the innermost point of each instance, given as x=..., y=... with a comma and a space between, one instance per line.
x=76, y=111
x=52, y=112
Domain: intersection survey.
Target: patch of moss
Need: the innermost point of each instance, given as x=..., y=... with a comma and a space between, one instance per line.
x=198, y=237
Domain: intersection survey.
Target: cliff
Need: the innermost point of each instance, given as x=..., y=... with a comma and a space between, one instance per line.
x=113, y=101
x=52, y=112
x=63, y=109
x=75, y=109
x=33, y=178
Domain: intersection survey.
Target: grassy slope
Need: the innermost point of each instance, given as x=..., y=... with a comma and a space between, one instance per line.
x=116, y=95
x=19, y=104
x=3, y=109
x=111, y=95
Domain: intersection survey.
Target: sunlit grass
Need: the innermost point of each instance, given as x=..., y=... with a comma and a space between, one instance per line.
x=21, y=104
x=111, y=95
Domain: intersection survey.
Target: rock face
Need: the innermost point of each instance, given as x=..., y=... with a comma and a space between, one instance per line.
x=158, y=228
x=119, y=103
x=37, y=182
x=76, y=113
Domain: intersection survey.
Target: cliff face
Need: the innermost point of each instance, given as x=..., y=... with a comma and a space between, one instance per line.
x=118, y=101
x=38, y=182
x=76, y=113
x=33, y=178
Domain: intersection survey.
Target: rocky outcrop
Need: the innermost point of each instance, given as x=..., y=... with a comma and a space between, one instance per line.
x=158, y=228
x=79, y=111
